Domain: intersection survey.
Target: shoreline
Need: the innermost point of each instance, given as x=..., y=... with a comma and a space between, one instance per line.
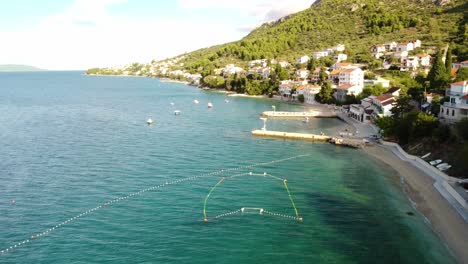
x=444, y=220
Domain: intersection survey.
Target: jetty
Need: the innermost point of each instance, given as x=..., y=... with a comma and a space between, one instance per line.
x=276, y=114
x=345, y=142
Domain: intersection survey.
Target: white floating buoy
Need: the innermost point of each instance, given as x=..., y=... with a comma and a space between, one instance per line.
x=149, y=121
x=196, y=101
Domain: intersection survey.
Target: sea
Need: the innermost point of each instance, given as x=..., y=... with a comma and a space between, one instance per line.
x=84, y=179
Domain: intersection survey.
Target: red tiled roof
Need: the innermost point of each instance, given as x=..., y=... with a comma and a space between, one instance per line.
x=453, y=73
x=460, y=83
x=388, y=102
x=345, y=86
x=465, y=97
x=393, y=89
x=384, y=97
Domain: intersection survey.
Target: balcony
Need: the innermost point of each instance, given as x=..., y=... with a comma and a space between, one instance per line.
x=453, y=105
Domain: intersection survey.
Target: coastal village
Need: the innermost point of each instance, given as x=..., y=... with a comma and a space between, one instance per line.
x=359, y=93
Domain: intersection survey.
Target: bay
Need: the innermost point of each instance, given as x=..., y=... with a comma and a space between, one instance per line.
x=70, y=143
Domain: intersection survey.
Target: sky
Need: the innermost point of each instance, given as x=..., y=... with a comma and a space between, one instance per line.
x=81, y=34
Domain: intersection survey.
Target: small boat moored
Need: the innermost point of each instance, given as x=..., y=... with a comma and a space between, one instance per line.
x=435, y=162
x=442, y=165
x=444, y=168
x=210, y=105
x=177, y=112
x=196, y=101
x=425, y=156
x=226, y=101
x=149, y=121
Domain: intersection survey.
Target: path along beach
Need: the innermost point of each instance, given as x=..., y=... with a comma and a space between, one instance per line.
x=445, y=220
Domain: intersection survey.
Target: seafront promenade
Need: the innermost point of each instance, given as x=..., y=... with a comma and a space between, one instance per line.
x=277, y=114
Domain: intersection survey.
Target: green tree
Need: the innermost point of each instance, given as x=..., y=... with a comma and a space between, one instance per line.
x=438, y=77
x=448, y=60
x=462, y=129
x=462, y=74
x=387, y=126
x=402, y=106
x=301, y=98
x=325, y=96
x=312, y=64
x=322, y=76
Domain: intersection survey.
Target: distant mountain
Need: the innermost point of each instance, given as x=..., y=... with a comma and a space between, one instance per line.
x=18, y=68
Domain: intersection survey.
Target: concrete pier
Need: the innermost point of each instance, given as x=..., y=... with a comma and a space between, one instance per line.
x=275, y=114
x=345, y=142
x=288, y=135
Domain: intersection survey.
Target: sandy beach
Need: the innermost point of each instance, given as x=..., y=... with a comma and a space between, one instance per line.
x=445, y=220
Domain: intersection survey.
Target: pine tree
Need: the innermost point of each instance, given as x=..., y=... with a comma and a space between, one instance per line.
x=438, y=77
x=448, y=60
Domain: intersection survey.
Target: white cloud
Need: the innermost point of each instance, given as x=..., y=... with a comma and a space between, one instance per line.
x=85, y=35
x=262, y=10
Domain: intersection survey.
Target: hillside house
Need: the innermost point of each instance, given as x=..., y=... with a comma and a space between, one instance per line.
x=346, y=89
x=405, y=46
x=378, y=49
x=458, y=65
x=410, y=64
x=303, y=73
x=391, y=46
x=401, y=55
x=303, y=59
x=424, y=60
x=320, y=54
x=457, y=108
x=339, y=48
x=344, y=65
x=310, y=92
x=384, y=82
x=341, y=57
x=416, y=43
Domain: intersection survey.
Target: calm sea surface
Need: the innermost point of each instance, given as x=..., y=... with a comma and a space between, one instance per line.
x=71, y=143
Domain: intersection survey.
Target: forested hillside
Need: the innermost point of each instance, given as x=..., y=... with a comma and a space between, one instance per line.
x=358, y=24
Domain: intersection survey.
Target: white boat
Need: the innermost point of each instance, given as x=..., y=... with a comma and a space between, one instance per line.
x=306, y=120
x=172, y=103
x=425, y=156
x=442, y=165
x=445, y=168
x=210, y=105
x=177, y=112
x=149, y=121
x=196, y=101
x=435, y=162
x=226, y=101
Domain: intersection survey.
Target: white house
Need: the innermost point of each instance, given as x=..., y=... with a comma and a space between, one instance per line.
x=316, y=74
x=341, y=57
x=303, y=73
x=384, y=82
x=231, y=69
x=309, y=93
x=457, y=108
x=458, y=65
x=320, y=54
x=401, y=55
x=410, y=63
x=416, y=43
x=352, y=76
x=424, y=60
x=285, y=89
x=391, y=46
x=264, y=71
x=405, y=46
x=339, y=48
x=378, y=48
x=346, y=89
x=303, y=59
x=284, y=64
x=383, y=104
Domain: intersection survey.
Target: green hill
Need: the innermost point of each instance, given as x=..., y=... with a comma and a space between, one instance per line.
x=356, y=23
x=18, y=68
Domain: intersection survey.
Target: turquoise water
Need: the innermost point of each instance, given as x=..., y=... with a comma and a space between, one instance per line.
x=70, y=143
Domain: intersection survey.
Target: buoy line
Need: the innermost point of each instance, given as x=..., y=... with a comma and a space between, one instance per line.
x=262, y=212
x=138, y=193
